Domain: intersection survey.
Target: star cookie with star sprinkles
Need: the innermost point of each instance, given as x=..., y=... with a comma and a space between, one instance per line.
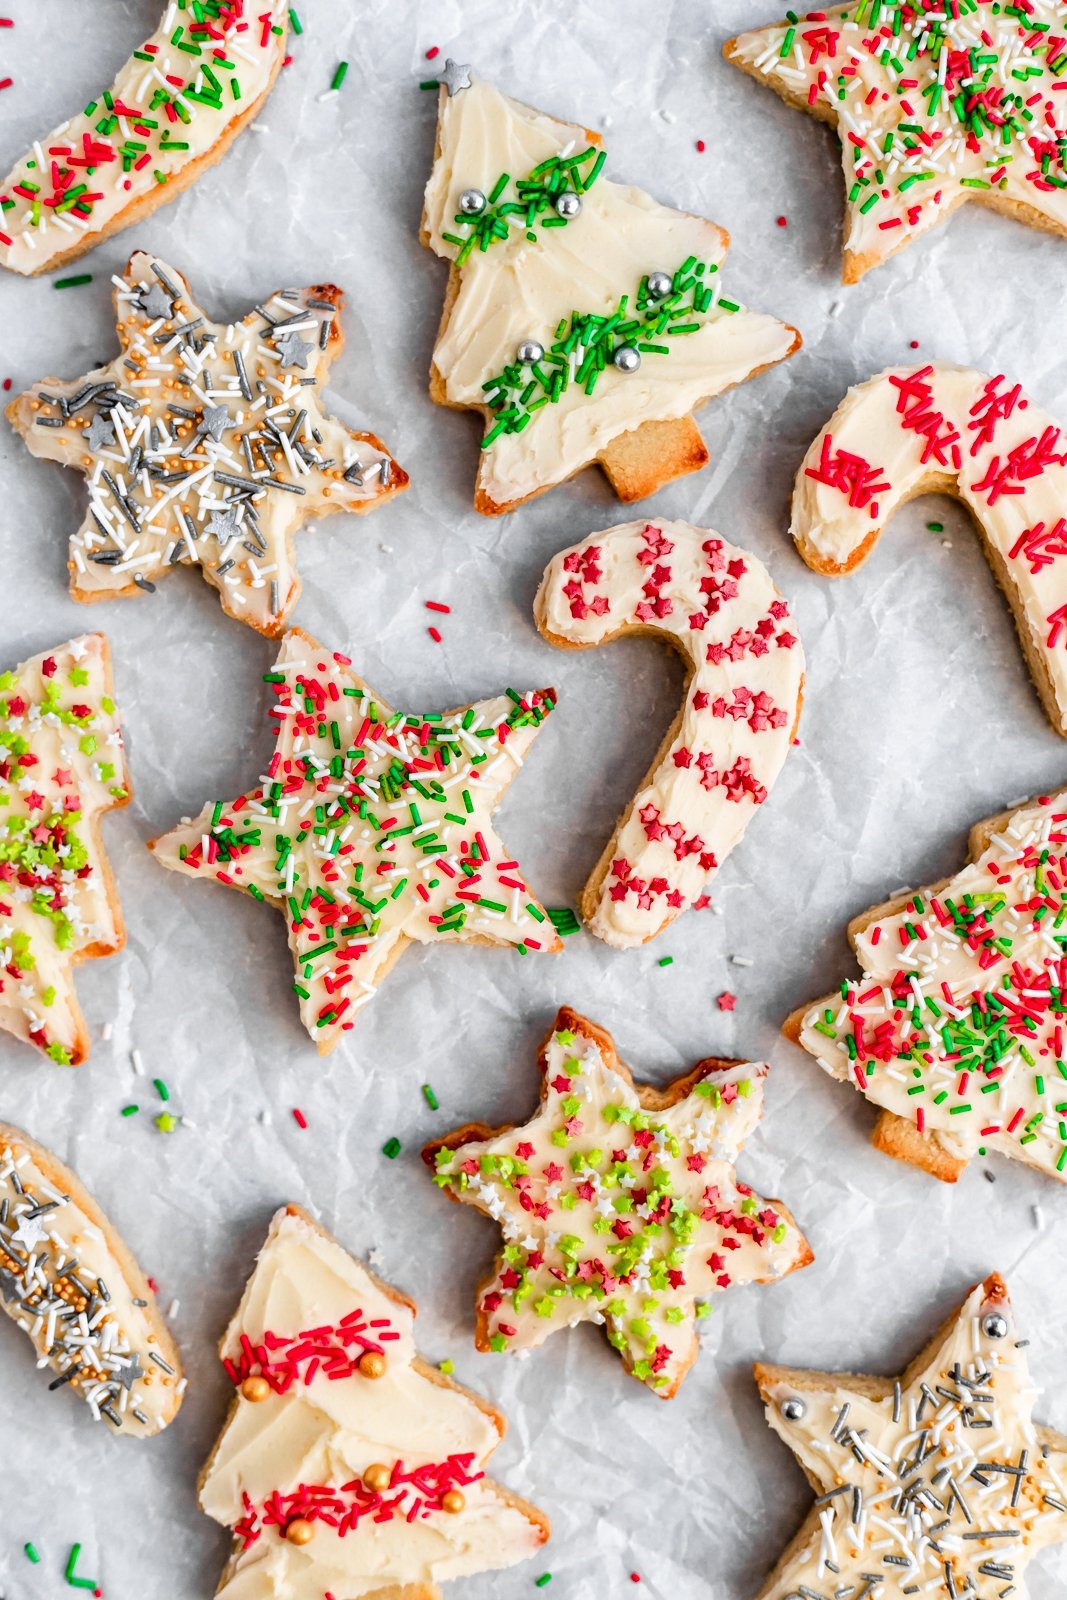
x=206, y=444
x=619, y=1204
x=935, y=105
x=61, y=767
x=370, y=829
x=938, y=1484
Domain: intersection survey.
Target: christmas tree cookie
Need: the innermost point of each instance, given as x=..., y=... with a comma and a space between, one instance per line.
x=720, y=610
x=371, y=828
x=934, y=105
x=205, y=444
x=619, y=1204
x=61, y=767
x=173, y=110
x=954, y=1030
x=583, y=319
x=348, y=1467
x=911, y=430
x=69, y=1282
x=938, y=1483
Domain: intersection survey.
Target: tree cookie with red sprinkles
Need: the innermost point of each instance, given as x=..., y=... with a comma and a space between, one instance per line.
x=719, y=608
x=955, y=1028
x=205, y=444
x=62, y=766
x=348, y=1466
x=584, y=320
x=935, y=105
x=913, y=430
x=371, y=828
x=619, y=1204
x=174, y=108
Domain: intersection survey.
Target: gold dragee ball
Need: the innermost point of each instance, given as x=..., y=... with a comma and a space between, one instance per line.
x=299, y=1531
x=377, y=1477
x=372, y=1364
x=452, y=1502
x=255, y=1388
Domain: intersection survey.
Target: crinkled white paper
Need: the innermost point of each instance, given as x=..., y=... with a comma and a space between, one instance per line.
x=919, y=719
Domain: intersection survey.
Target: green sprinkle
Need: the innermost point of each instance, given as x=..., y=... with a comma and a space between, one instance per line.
x=166, y=1122
x=161, y=1088
x=666, y=961
x=431, y=1099
x=294, y=22
x=339, y=75
x=447, y=1367
x=31, y=1553
x=545, y=1578
x=69, y=1571
x=936, y=527
x=391, y=1148
x=130, y=1111
x=563, y=920
x=73, y=283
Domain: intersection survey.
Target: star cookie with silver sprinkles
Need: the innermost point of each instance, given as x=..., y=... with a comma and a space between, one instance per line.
x=371, y=829
x=206, y=444
x=619, y=1204
x=937, y=1484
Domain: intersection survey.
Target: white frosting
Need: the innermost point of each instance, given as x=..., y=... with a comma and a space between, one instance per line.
x=719, y=607
x=156, y=128
x=520, y=289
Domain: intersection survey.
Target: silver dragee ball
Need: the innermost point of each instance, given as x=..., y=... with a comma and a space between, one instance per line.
x=659, y=284
x=793, y=1408
x=568, y=204
x=472, y=202
x=995, y=1326
x=530, y=351
x=627, y=358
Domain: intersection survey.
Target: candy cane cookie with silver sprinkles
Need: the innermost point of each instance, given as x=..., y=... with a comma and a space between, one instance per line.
x=935, y=105
x=174, y=108
x=584, y=320
x=71, y=1285
x=942, y=428
x=206, y=444
x=719, y=608
x=938, y=1483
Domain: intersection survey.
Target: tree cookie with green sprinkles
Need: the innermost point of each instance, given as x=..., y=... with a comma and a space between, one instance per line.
x=371, y=828
x=584, y=320
x=173, y=110
x=955, y=1029
x=935, y=105
x=62, y=766
x=619, y=1204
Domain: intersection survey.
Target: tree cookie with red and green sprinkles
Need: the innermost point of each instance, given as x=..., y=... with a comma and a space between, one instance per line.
x=371, y=829
x=206, y=444
x=175, y=107
x=935, y=105
x=619, y=1204
x=955, y=1028
x=62, y=767
x=584, y=320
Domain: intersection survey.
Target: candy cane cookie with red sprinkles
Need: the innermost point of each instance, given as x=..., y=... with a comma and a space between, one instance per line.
x=913, y=430
x=955, y=1028
x=371, y=828
x=174, y=108
x=719, y=608
x=619, y=1204
x=935, y=104
x=206, y=444
x=348, y=1466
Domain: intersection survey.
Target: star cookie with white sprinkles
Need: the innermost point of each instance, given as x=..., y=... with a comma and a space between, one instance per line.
x=939, y=1484
x=206, y=444
x=935, y=105
x=619, y=1204
x=371, y=828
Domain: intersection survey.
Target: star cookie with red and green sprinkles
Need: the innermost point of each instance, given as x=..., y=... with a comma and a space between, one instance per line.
x=939, y=1483
x=371, y=828
x=61, y=767
x=956, y=1027
x=619, y=1204
x=205, y=444
x=173, y=109
x=935, y=104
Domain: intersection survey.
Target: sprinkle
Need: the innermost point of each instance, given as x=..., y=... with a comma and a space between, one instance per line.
x=447, y=1367
x=783, y=222
x=299, y=1117
x=430, y=1098
x=295, y=23
x=166, y=1122
x=161, y=1088
x=74, y=282
x=701, y=147
x=434, y=50
x=130, y=1111
x=30, y=1550
x=543, y=1580
x=437, y=605
x=666, y=961
x=69, y=1571
x=563, y=919
x=434, y=635
x=391, y=1148
x=339, y=75
x=726, y=1001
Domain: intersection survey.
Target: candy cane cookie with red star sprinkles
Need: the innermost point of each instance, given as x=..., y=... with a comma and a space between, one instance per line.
x=371, y=828
x=205, y=444
x=619, y=1204
x=718, y=607
x=62, y=767
x=911, y=430
x=348, y=1467
x=955, y=1029
x=173, y=110
x=936, y=102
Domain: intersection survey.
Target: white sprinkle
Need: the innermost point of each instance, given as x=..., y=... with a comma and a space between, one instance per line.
x=136, y=1063
x=741, y=961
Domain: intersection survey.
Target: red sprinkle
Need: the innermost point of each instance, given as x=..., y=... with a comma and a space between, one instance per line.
x=437, y=605
x=434, y=635
x=299, y=1117
x=434, y=50
x=726, y=1001
x=783, y=222
x=701, y=146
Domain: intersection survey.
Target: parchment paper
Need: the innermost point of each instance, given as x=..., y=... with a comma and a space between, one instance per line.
x=919, y=719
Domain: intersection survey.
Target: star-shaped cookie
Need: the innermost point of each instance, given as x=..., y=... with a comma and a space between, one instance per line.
x=619, y=1204
x=939, y=1484
x=61, y=767
x=371, y=828
x=934, y=104
x=205, y=443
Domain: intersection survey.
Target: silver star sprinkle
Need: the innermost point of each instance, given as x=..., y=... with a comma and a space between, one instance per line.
x=29, y=1233
x=223, y=524
x=293, y=350
x=456, y=76
x=100, y=432
x=216, y=420
x=156, y=302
